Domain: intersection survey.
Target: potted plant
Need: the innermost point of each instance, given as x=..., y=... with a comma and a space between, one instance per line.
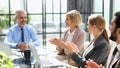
x=5, y=61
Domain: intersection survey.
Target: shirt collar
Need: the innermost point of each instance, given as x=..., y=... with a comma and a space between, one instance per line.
x=118, y=47
x=71, y=33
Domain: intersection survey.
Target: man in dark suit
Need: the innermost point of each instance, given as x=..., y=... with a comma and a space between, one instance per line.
x=114, y=56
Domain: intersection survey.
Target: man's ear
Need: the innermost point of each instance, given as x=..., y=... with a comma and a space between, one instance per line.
x=118, y=31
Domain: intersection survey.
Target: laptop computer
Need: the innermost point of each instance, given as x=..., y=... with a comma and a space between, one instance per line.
x=5, y=48
x=34, y=52
x=44, y=63
x=37, y=63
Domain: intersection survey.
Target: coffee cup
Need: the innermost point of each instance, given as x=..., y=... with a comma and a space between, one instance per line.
x=27, y=55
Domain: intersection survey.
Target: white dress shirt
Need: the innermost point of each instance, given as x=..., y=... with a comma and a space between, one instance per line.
x=69, y=38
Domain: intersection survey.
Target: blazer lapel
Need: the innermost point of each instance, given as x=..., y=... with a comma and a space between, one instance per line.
x=109, y=60
x=75, y=36
x=65, y=36
x=118, y=64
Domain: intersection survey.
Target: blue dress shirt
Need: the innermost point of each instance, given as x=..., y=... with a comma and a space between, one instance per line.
x=14, y=36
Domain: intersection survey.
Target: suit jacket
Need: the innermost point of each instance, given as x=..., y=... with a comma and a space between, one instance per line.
x=116, y=63
x=79, y=38
x=99, y=53
x=110, y=56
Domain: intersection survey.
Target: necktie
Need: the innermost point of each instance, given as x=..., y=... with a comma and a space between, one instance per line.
x=114, y=58
x=22, y=35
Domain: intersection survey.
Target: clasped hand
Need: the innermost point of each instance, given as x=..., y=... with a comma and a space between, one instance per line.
x=23, y=46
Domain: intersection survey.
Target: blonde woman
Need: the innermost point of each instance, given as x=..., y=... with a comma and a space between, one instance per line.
x=74, y=33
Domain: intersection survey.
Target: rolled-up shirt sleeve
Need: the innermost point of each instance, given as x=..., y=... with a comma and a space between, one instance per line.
x=9, y=39
x=35, y=40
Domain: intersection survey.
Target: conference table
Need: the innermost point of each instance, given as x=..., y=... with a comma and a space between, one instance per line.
x=48, y=59
x=18, y=60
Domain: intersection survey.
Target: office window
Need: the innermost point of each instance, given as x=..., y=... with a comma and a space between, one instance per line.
x=34, y=6
x=116, y=4
x=46, y=15
x=4, y=6
x=15, y=5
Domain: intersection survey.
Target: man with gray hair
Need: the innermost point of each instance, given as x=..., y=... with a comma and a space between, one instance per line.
x=21, y=34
